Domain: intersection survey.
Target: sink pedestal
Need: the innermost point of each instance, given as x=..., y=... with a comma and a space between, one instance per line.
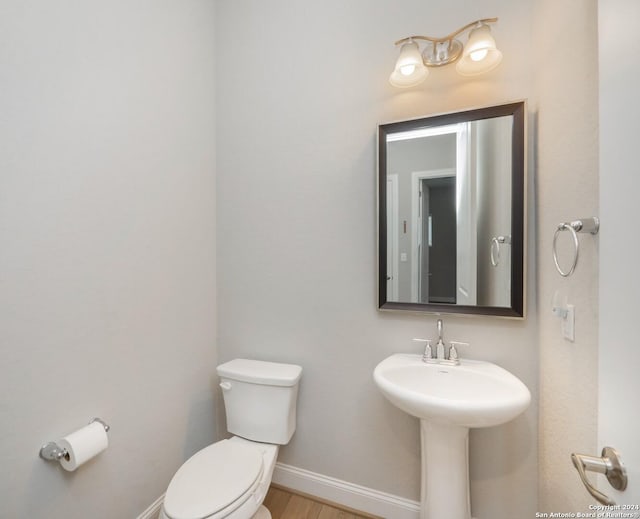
x=444, y=491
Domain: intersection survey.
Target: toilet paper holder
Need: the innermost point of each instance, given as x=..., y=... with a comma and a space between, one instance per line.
x=52, y=451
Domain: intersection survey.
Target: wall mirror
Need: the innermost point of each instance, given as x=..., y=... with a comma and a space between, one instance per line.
x=451, y=212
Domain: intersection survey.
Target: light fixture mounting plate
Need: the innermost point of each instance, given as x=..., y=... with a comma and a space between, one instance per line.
x=439, y=53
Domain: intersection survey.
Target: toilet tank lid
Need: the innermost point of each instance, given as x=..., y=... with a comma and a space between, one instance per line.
x=261, y=372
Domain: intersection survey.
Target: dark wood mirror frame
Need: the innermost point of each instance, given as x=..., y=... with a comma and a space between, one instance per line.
x=518, y=208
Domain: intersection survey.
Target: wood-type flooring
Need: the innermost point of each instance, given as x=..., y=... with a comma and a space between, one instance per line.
x=285, y=504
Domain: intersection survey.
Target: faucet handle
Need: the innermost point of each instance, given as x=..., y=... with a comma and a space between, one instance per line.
x=453, y=351
x=427, y=348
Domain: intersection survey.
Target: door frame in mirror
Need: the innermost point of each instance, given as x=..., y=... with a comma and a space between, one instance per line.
x=518, y=209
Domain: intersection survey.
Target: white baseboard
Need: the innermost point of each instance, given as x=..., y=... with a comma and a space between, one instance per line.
x=153, y=510
x=346, y=494
x=332, y=489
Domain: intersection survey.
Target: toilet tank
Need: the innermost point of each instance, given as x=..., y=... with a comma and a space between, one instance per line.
x=260, y=399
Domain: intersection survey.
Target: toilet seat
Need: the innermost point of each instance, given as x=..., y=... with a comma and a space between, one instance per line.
x=215, y=481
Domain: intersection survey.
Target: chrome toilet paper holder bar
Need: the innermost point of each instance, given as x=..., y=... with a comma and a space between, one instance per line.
x=53, y=452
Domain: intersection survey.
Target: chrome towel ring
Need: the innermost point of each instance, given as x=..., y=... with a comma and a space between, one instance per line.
x=495, y=246
x=590, y=225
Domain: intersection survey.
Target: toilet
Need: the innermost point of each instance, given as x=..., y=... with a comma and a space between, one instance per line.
x=230, y=478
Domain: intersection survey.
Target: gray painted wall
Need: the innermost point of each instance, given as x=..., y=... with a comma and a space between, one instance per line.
x=107, y=262
x=108, y=228
x=296, y=165
x=567, y=185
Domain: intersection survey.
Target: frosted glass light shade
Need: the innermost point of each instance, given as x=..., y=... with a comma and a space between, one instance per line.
x=480, y=54
x=409, y=70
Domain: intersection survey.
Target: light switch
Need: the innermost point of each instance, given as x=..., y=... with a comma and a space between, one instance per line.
x=403, y=256
x=569, y=324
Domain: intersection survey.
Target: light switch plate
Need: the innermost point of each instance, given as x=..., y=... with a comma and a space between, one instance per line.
x=569, y=324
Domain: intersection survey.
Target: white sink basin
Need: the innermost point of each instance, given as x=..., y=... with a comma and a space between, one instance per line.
x=473, y=394
x=449, y=400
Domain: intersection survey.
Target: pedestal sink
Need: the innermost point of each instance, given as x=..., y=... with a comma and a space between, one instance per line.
x=449, y=400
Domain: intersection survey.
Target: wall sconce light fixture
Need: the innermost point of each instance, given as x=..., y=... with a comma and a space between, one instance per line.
x=479, y=55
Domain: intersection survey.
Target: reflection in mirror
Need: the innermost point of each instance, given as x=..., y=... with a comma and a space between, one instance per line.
x=452, y=223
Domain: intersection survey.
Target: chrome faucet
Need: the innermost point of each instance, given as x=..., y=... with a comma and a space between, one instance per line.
x=440, y=356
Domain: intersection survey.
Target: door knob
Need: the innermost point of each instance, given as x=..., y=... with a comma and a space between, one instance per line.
x=609, y=464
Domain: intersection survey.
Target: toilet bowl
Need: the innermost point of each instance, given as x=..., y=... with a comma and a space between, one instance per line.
x=230, y=478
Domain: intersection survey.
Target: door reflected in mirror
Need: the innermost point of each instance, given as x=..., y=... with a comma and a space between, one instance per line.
x=451, y=193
